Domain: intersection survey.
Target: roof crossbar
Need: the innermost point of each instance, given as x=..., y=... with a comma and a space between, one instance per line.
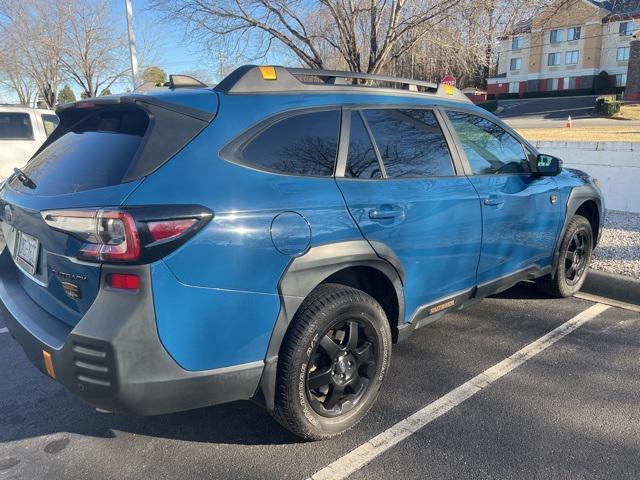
x=338, y=77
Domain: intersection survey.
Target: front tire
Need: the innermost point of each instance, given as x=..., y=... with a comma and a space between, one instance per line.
x=573, y=260
x=332, y=362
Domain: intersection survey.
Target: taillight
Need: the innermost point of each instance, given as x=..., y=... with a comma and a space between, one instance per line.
x=166, y=229
x=133, y=235
x=109, y=235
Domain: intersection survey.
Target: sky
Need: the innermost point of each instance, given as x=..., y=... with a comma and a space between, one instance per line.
x=173, y=53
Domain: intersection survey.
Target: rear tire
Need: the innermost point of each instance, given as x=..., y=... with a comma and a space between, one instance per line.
x=332, y=362
x=573, y=260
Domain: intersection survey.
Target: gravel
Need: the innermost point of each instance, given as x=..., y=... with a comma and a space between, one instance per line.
x=618, y=250
x=619, y=247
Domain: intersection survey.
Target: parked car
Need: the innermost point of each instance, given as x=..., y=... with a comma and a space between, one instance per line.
x=22, y=131
x=272, y=237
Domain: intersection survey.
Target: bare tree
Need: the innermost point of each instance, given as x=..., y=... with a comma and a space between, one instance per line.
x=13, y=76
x=366, y=34
x=94, y=51
x=35, y=29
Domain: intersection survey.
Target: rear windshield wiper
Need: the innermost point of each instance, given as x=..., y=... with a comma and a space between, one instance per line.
x=26, y=181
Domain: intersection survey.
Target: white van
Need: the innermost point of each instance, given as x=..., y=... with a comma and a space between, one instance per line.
x=22, y=131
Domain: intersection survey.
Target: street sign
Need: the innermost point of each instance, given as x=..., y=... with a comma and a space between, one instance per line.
x=449, y=80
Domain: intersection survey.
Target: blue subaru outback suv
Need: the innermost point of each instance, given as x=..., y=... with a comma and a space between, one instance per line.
x=272, y=237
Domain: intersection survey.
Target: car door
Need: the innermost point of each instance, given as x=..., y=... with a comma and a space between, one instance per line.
x=520, y=210
x=400, y=185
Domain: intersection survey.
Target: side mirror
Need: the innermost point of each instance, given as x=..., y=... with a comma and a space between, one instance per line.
x=548, y=165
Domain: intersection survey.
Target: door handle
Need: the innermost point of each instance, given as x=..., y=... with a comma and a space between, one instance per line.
x=493, y=201
x=386, y=213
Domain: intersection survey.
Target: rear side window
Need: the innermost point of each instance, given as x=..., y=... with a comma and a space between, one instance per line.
x=489, y=148
x=15, y=126
x=96, y=152
x=305, y=144
x=50, y=123
x=410, y=142
x=362, y=161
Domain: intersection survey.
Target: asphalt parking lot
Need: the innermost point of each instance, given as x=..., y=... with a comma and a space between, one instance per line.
x=571, y=411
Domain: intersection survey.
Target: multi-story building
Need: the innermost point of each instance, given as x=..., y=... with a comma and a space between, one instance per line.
x=566, y=46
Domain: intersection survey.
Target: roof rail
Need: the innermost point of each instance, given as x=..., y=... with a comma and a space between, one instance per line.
x=261, y=79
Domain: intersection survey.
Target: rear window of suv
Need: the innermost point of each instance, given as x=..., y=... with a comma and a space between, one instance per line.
x=96, y=152
x=305, y=144
x=15, y=126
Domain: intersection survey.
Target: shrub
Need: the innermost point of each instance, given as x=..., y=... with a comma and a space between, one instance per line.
x=607, y=105
x=602, y=83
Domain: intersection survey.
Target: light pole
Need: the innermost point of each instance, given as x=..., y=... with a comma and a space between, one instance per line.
x=132, y=44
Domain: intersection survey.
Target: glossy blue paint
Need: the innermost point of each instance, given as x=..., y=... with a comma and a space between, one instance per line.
x=520, y=224
x=437, y=238
x=206, y=328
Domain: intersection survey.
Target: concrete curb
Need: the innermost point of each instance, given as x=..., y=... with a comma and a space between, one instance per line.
x=610, y=285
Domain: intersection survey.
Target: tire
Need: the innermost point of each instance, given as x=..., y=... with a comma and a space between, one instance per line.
x=573, y=260
x=328, y=378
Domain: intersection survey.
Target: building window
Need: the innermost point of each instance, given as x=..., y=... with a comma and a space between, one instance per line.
x=573, y=33
x=554, y=59
x=514, y=87
x=516, y=63
x=569, y=83
x=621, y=80
x=556, y=36
x=627, y=28
x=571, y=58
x=623, y=54
x=517, y=43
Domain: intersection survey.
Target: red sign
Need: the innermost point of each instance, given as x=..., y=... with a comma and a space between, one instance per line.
x=449, y=80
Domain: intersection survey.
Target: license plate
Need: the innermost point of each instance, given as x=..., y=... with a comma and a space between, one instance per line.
x=27, y=252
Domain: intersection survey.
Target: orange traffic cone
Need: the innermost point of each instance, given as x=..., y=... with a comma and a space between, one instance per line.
x=569, y=122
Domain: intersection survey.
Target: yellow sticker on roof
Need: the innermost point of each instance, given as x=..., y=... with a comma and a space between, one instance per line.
x=448, y=89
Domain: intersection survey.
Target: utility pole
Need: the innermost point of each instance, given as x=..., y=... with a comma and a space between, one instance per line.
x=132, y=45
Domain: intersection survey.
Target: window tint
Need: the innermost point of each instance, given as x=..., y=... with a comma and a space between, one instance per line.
x=50, y=122
x=410, y=142
x=489, y=148
x=362, y=161
x=96, y=153
x=15, y=126
x=305, y=144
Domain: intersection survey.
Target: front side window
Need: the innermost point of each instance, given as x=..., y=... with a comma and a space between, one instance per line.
x=50, y=122
x=517, y=43
x=489, y=148
x=410, y=143
x=516, y=63
x=304, y=144
x=362, y=161
x=15, y=126
x=553, y=60
x=623, y=54
x=573, y=33
x=627, y=28
x=556, y=36
x=571, y=58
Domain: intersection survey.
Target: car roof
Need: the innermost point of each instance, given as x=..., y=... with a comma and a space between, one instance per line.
x=24, y=109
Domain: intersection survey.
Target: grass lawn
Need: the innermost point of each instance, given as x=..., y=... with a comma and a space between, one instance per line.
x=619, y=133
x=630, y=111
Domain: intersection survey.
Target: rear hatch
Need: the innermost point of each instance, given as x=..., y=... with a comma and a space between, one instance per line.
x=100, y=153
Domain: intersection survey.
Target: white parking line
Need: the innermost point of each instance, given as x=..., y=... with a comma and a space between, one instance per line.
x=3, y=330
x=359, y=457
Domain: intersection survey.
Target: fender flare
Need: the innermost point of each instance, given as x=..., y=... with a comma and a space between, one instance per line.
x=577, y=197
x=305, y=273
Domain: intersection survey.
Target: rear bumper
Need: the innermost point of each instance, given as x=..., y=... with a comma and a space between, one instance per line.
x=113, y=358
